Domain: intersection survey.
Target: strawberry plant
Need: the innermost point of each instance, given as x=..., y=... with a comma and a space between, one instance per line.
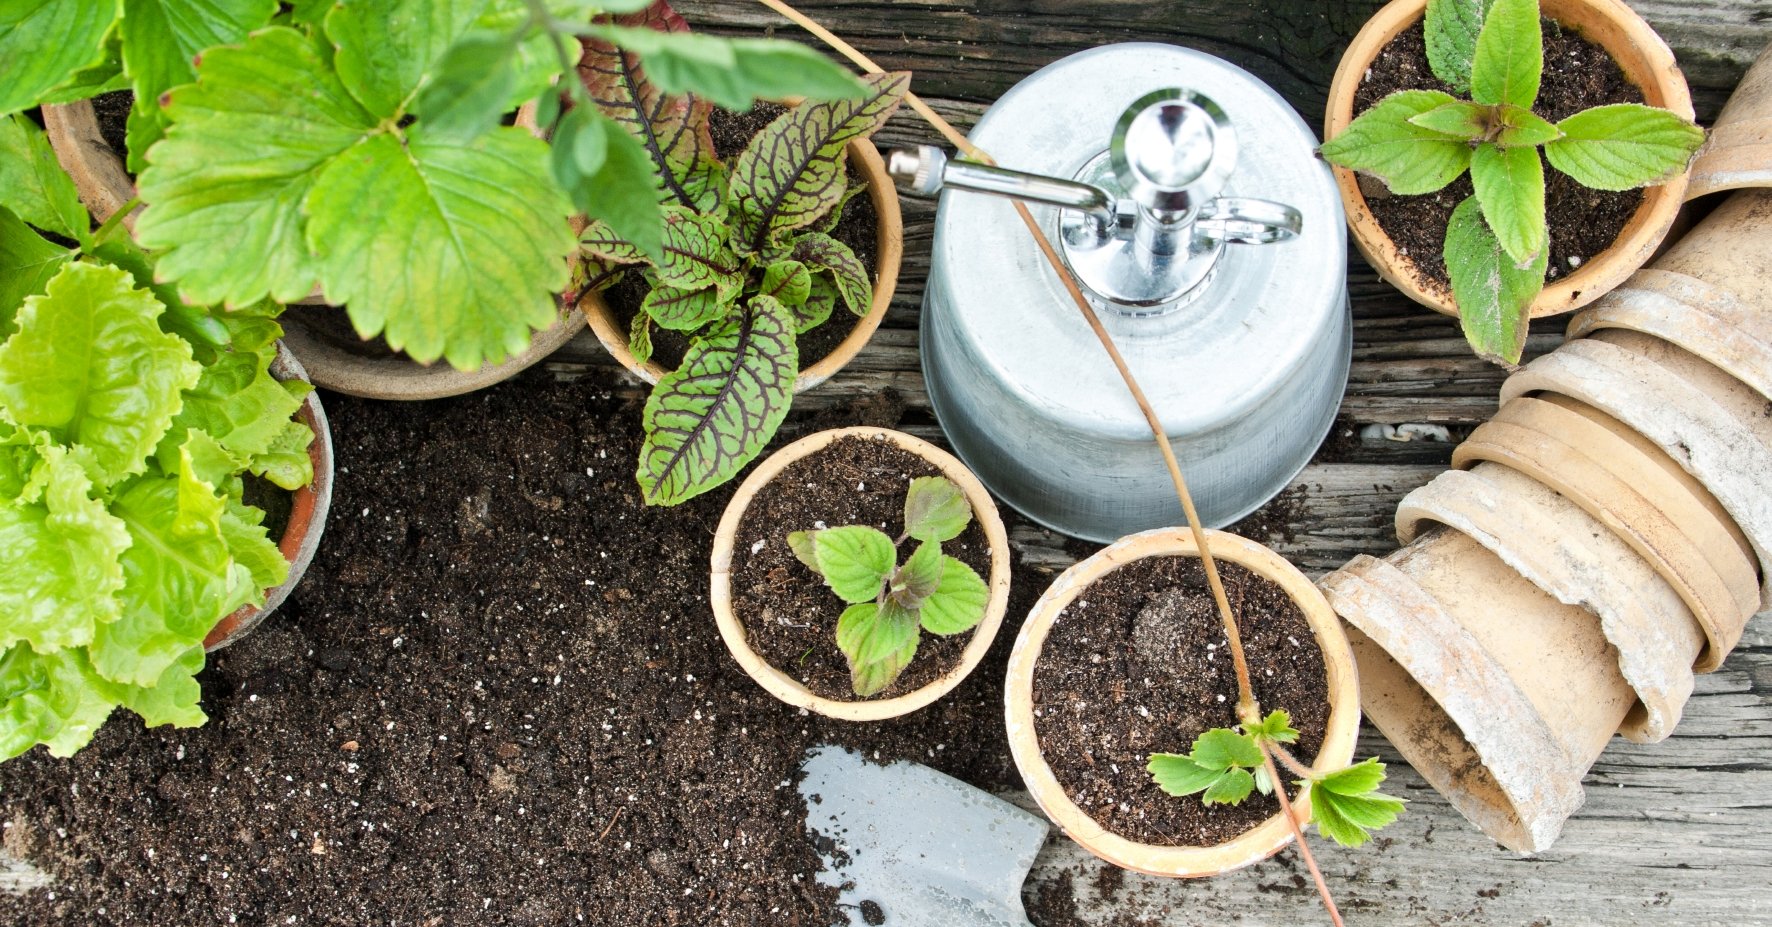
x=890, y=603
x=1418, y=141
x=128, y=424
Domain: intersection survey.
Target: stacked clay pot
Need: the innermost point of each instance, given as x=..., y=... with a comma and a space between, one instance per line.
x=1604, y=537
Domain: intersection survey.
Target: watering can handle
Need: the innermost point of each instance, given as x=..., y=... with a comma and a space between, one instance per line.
x=1245, y=221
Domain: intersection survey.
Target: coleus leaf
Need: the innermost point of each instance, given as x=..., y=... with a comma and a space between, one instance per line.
x=684, y=310
x=62, y=575
x=792, y=172
x=1494, y=295
x=90, y=366
x=935, y=509
x=53, y=699
x=33, y=184
x=918, y=578
x=640, y=336
x=789, y=282
x=45, y=43
x=958, y=602
x=672, y=128
x=1509, y=184
x=1509, y=58
x=732, y=73
x=879, y=642
x=1452, y=27
x=161, y=39
x=1410, y=159
x=850, y=276
x=27, y=262
x=854, y=560
x=1623, y=146
x=716, y=411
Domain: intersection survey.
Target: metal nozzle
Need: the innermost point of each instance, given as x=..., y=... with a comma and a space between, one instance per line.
x=926, y=170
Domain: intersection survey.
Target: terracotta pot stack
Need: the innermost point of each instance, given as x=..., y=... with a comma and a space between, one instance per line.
x=1605, y=536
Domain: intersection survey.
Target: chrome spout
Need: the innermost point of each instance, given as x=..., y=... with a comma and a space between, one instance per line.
x=927, y=170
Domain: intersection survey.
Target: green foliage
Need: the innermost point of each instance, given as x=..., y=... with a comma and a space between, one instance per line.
x=126, y=424
x=1418, y=141
x=891, y=603
x=46, y=43
x=1227, y=765
x=742, y=263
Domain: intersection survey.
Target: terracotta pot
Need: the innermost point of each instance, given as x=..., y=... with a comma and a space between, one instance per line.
x=789, y=689
x=1708, y=422
x=1254, y=845
x=864, y=160
x=1707, y=294
x=105, y=185
x=1660, y=515
x=1569, y=554
x=1739, y=151
x=1646, y=61
x=1513, y=693
x=307, y=515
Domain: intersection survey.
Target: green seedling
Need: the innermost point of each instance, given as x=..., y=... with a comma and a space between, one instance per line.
x=1418, y=141
x=890, y=603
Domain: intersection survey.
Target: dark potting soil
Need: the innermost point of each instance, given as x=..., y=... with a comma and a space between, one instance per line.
x=112, y=110
x=789, y=614
x=1578, y=74
x=498, y=698
x=276, y=502
x=331, y=325
x=1139, y=664
x=856, y=228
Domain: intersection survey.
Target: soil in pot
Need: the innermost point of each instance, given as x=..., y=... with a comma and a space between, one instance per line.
x=276, y=502
x=857, y=228
x=1578, y=74
x=112, y=110
x=1138, y=664
x=789, y=614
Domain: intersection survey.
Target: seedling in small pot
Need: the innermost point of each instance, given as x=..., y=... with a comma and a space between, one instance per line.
x=891, y=603
x=1497, y=242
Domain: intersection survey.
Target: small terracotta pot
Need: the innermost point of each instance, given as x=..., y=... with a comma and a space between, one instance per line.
x=1646, y=61
x=789, y=689
x=1660, y=515
x=1739, y=151
x=1569, y=554
x=1708, y=422
x=105, y=185
x=1708, y=293
x=1253, y=845
x=307, y=515
x=1513, y=693
x=864, y=159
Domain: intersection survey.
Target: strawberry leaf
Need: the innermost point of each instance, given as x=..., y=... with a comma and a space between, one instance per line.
x=1179, y=775
x=1623, y=146
x=27, y=262
x=1409, y=159
x=33, y=184
x=1222, y=748
x=731, y=73
x=161, y=39
x=45, y=43
x=1276, y=727
x=1494, y=295
x=1347, y=805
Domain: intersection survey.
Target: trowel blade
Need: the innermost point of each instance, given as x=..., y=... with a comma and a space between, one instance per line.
x=917, y=846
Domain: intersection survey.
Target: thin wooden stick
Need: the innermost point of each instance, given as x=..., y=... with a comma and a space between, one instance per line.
x=1304, y=847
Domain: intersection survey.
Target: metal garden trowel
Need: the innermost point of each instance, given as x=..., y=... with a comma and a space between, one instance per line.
x=911, y=847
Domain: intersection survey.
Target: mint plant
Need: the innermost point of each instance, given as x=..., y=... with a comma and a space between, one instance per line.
x=747, y=264
x=1418, y=141
x=128, y=423
x=891, y=603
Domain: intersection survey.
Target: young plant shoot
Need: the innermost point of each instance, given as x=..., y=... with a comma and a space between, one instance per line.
x=747, y=265
x=1418, y=141
x=891, y=603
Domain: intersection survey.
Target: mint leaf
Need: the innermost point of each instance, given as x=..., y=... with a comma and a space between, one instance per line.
x=27, y=262
x=1458, y=118
x=715, y=412
x=958, y=603
x=1494, y=296
x=789, y=282
x=792, y=172
x=1179, y=775
x=33, y=184
x=1451, y=31
x=733, y=72
x=854, y=561
x=1509, y=183
x=1522, y=128
x=918, y=578
x=935, y=509
x=879, y=642
x=850, y=276
x=161, y=39
x=684, y=310
x=1623, y=146
x=1509, y=58
x=62, y=576
x=45, y=43
x=1409, y=159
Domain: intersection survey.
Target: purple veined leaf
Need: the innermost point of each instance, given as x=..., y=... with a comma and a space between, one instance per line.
x=822, y=252
x=672, y=128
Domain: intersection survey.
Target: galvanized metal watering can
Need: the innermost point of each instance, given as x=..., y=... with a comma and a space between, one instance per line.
x=1186, y=197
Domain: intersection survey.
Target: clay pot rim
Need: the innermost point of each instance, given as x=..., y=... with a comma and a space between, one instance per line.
x=307, y=515
x=790, y=690
x=1651, y=66
x=104, y=184
x=888, y=255
x=1257, y=843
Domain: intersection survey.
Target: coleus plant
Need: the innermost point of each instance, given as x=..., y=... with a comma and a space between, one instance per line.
x=1418, y=141
x=748, y=262
x=356, y=145
x=128, y=423
x=891, y=604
